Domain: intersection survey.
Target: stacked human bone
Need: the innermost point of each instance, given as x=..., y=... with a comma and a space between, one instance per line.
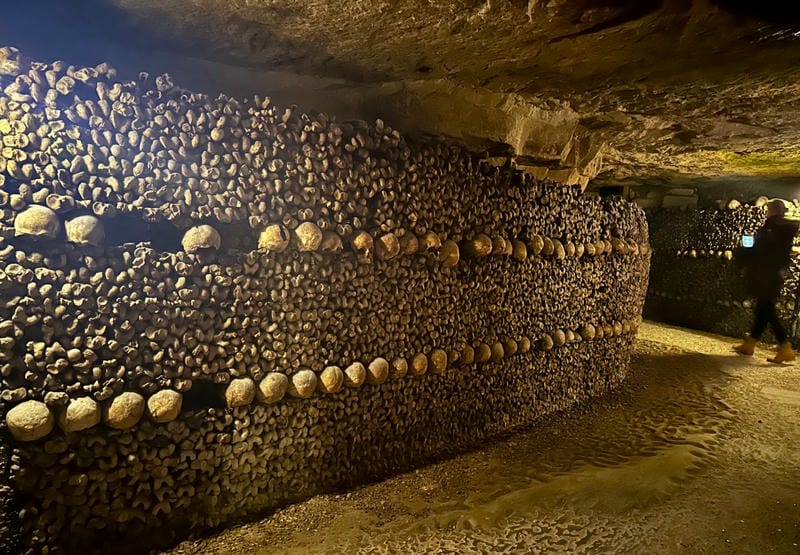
x=695, y=281
x=212, y=307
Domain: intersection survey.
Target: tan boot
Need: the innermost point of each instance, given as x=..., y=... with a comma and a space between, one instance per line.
x=747, y=347
x=783, y=354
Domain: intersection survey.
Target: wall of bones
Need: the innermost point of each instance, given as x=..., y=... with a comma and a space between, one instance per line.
x=212, y=306
x=694, y=281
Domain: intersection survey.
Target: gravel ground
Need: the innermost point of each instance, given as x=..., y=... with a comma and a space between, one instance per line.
x=697, y=452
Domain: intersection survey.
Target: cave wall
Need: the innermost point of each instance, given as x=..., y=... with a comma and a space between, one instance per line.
x=694, y=281
x=718, y=192
x=212, y=307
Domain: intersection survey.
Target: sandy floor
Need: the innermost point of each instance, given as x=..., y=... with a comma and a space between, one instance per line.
x=699, y=452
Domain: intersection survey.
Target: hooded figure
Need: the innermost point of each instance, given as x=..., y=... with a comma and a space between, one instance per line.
x=765, y=265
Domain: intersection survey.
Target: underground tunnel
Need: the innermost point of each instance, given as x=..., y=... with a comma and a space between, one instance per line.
x=257, y=253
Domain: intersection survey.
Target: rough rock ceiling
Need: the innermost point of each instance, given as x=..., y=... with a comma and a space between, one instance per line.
x=619, y=88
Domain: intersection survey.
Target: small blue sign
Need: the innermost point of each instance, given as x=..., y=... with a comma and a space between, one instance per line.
x=748, y=241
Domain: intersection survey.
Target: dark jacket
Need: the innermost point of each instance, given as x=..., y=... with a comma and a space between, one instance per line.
x=764, y=262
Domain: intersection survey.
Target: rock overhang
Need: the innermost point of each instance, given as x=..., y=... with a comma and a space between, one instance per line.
x=609, y=89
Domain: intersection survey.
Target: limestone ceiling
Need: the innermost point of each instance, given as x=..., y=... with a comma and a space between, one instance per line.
x=618, y=88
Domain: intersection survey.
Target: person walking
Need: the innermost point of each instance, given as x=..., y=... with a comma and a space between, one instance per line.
x=766, y=264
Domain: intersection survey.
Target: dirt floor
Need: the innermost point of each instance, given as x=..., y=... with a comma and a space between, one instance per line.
x=698, y=452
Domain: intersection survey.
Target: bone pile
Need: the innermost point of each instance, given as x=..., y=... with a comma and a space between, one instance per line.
x=210, y=307
x=694, y=280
